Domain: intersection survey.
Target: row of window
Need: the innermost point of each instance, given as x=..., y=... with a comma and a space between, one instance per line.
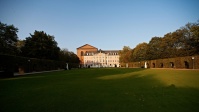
x=101, y=57
x=89, y=61
x=88, y=54
x=100, y=64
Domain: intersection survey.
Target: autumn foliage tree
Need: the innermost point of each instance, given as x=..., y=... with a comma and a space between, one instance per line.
x=125, y=54
x=182, y=42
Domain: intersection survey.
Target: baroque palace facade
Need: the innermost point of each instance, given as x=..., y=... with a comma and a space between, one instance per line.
x=92, y=57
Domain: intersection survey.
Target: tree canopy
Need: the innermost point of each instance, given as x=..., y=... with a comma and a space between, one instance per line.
x=8, y=39
x=41, y=45
x=125, y=54
x=139, y=52
x=68, y=56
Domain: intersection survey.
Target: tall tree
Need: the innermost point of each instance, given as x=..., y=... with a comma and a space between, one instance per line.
x=195, y=37
x=187, y=40
x=41, y=45
x=167, y=46
x=178, y=42
x=139, y=52
x=68, y=56
x=153, y=49
x=125, y=54
x=8, y=39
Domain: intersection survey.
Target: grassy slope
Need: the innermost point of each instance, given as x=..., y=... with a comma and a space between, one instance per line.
x=102, y=90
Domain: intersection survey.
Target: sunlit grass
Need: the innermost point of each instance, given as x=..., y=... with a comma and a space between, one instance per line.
x=102, y=90
x=179, y=78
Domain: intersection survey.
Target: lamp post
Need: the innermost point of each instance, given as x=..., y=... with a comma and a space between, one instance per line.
x=193, y=61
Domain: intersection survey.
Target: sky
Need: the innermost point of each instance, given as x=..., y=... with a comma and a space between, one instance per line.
x=105, y=24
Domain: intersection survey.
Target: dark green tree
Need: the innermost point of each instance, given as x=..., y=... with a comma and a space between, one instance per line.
x=139, y=52
x=195, y=37
x=40, y=45
x=187, y=39
x=167, y=47
x=179, y=44
x=68, y=56
x=153, y=49
x=74, y=58
x=8, y=39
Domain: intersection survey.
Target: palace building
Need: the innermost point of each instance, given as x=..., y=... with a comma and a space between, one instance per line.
x=92, y=57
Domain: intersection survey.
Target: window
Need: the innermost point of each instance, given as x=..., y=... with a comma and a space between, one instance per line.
x=82, y=53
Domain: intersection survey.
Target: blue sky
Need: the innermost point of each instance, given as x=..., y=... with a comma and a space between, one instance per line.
x=105, y=24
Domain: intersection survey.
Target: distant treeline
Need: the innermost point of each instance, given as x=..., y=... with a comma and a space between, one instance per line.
x=180, y=43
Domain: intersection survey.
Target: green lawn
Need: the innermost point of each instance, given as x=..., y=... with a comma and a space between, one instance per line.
x=102, y=90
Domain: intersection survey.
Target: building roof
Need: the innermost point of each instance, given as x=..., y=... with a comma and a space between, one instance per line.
x=87, y=45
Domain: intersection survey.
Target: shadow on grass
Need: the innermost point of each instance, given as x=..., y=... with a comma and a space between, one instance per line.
x=91, y=72
x=96, y=90
x=32, y=75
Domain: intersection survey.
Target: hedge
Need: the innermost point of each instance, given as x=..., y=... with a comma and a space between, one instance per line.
x=179, y=62
x=16, y=64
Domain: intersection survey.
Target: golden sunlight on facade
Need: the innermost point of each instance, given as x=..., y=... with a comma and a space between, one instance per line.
x=92, y=57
